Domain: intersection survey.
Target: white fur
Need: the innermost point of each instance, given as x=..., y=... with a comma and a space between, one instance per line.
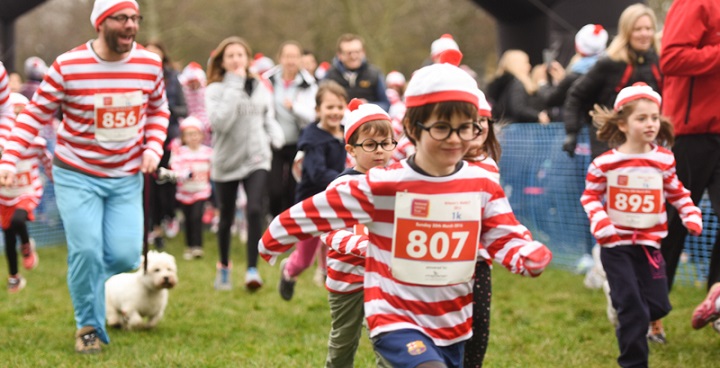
x=596, y=278
x=130, y=298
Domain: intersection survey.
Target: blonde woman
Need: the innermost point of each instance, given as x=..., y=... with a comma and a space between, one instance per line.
x=631, y=57
x=513, y=90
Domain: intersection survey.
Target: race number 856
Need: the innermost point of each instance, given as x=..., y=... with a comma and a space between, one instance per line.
x=118, y=119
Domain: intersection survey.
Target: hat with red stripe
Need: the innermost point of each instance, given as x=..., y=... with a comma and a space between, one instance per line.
x=361, y=113
x=591, y=40
x=104, y=8
x=484, y=108
x=636, y=92
x=395, y=78
x=192, y=72
x=444, y=43
x=191, y=122
x=441, y=82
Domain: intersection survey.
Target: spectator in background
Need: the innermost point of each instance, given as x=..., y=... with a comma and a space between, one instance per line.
x=293, y=90
x=690, y=61
x=35, y=70
x=308, y=61
x=512, y=92
x=261, y=64
x=194, y=82
x=7, y=116
x=15, y=82
x=444, y=43
x=242, y=114
x=395, y=82
x=351, y=70
x=630, y=58
x=163, y=205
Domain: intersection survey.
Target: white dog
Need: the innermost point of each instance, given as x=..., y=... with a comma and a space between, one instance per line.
x=132, y=297
x=596, y=279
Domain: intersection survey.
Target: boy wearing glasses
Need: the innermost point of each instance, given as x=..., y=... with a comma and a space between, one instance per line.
x=429, y=218
x=115, y=121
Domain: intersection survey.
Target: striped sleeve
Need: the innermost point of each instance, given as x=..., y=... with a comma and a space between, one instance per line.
x=346, y=242
x=679, y=197
x=6, y=111
x=158, y=114
x=591, y=200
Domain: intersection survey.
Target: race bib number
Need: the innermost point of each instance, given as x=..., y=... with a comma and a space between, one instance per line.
x=22, y=183
x=634, y=199
x=200, y=179
x=435, y=238
x=117, y=116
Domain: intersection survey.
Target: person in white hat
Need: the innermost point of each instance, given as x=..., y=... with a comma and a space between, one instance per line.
x=112, y=133
x=442, y=44
x=416, y=295
x=35, y=70
x=625, y=193
x=7, y=117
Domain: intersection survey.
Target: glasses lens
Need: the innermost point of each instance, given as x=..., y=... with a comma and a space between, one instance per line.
x=369, y=146
x=440, y=131
x=468, y=132
x=388, y=145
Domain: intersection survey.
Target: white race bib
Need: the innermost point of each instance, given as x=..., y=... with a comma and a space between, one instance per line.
x=117, y=116
x=23, y=181
x=200, y=177
x=435, y=237
x=634, y=199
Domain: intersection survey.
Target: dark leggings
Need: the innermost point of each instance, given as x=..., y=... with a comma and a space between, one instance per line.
x=476, y=347
x=193, y=223
x=18, y=227
x=255, y=189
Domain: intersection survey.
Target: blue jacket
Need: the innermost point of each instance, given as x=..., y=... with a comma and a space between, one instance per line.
x=324, y=160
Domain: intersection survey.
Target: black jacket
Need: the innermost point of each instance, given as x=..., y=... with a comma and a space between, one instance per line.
x=324, y=160
x=510, y=101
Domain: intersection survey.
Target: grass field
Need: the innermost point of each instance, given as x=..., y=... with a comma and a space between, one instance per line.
x=552, y=321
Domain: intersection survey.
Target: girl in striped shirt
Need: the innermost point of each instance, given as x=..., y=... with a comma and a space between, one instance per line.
x=429, y=219
x=634, y=180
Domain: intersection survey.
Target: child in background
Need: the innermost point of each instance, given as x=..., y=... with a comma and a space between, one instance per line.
x=424, y=217
x=634, y=179
x=369, y=140
x=484, y=152
x=18, y=203
x=191, y=163
x=324, y=159
x=193, y=81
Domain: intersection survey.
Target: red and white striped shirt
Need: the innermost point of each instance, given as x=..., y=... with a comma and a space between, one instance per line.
x=488, y=164
x=27, y=183
x=195, y=100
x=127, y=95
x=443, y=313
x=7, y=115
x=659, y=160
x=404, y=149
x=193, y=171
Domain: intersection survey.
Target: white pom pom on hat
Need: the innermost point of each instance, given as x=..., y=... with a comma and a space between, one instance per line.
x=444, y=43
x=442, y=82
x=104, y=8
x=361, y=113
x=191, y=122
x=636, y=92
x=591, y=39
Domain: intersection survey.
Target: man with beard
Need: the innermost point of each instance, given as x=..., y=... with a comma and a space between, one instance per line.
x=115, y=118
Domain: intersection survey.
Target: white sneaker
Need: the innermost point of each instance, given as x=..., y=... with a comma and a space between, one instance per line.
x=253, y=281
x=197, y=252
x=172, y=228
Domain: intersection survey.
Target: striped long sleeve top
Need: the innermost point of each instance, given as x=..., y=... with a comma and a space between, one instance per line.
x=6, y=114
x=113, y=112
x=619, y=195
x=443, y=313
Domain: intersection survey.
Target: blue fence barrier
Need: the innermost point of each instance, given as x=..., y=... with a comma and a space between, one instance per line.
x=543, y=185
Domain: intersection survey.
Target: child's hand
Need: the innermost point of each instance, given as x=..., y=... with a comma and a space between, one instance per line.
x=694, y=228
x=537, y=258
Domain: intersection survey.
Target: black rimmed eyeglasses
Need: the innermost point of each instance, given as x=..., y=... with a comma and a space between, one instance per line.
x=122, y=18
x=441, y=130
x=371, y=145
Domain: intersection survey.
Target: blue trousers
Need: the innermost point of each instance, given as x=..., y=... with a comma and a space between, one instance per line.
x=103, y=220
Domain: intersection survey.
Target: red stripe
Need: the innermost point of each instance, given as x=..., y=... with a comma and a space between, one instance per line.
x=462, y=96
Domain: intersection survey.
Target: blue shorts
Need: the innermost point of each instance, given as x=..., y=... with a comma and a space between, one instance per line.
x=410, y=348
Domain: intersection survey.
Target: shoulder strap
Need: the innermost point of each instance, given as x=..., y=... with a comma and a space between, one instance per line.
x=625, y=78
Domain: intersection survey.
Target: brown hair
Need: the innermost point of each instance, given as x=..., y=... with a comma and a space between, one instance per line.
x=619, y=49
x=215, y=71
x=347, y=37
x=608, y=121
x=492, y=146
x=331, y=87
x=443, y=110
x=287, y=43
x=379, y=127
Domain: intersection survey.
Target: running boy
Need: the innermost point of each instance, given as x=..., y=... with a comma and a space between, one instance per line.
x=425, y=218
x=634, y=179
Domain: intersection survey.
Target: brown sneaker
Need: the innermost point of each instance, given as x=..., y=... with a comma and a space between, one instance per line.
x=87, y=341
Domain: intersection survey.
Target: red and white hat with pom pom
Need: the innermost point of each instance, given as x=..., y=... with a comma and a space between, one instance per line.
x=104, y=8
x=484, y=108
x=395, y=78
x=591, y=39
x=444, y=43
x=442, y=82
x=636, y=92
x=361, y=113
x=191, y=122
x=192, y=72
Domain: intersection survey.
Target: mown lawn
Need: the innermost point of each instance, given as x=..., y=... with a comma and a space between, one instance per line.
x=552, y=321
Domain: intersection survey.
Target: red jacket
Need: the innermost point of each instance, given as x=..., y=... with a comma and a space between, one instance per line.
x=690, y=61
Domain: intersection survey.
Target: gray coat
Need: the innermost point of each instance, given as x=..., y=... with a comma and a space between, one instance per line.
x=243, y=128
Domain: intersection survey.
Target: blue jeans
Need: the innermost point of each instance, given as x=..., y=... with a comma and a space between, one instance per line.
x=103, y=220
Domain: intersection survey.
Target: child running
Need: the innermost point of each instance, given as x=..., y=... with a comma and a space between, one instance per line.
x=634, y=179
x=369, y=140
x=191, y=163
x=428, y=218
x=19, y=200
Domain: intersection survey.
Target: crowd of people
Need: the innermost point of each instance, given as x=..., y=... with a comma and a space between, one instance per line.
x=375, y=177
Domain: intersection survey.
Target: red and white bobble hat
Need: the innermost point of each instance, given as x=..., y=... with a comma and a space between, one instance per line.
x=591, y=40
x=636, y=92
x=484, y=108
x=395, y=78
x=361, y=113
x=35, y=68
x=444, y=43
x=261, y=63
x=191, y=122
x=442, y=82
x=191, y=72
x=104, y=8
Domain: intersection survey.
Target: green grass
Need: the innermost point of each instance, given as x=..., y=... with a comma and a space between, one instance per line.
x=552, y=321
